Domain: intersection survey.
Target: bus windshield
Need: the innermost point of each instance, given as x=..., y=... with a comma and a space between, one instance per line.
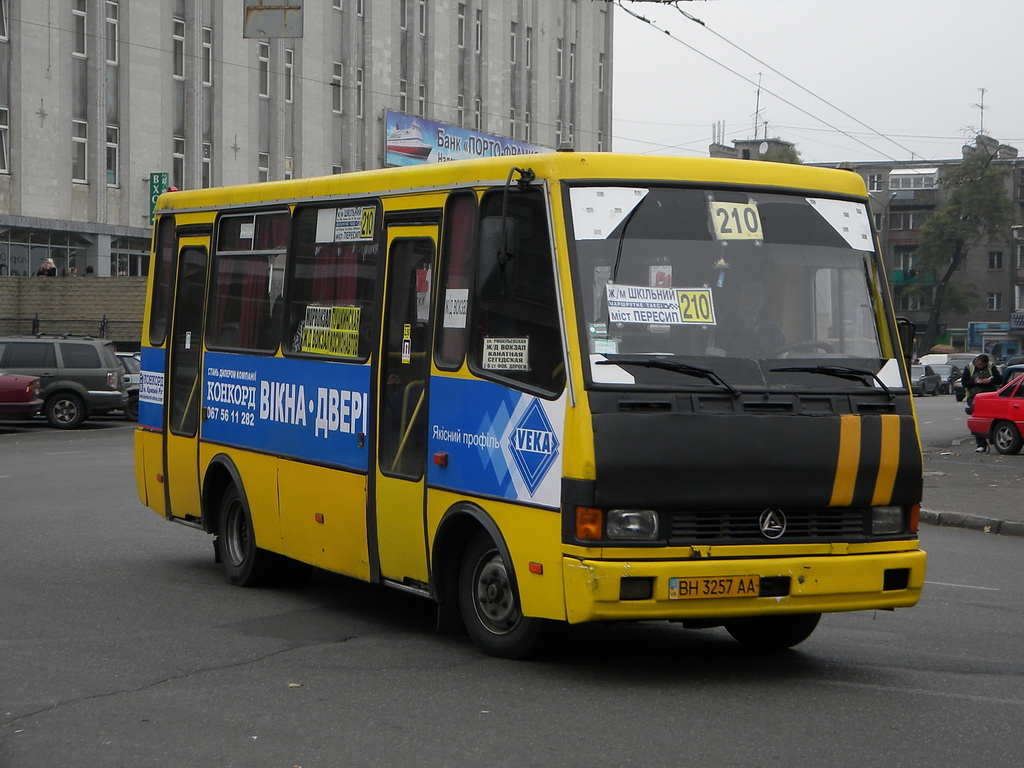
x=741, y=283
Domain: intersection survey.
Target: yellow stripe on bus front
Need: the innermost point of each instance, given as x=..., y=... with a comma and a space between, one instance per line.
x=847, y=461
x=888, y=460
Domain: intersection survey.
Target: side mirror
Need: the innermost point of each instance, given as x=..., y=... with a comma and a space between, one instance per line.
x=496, y=267
x=907, y=332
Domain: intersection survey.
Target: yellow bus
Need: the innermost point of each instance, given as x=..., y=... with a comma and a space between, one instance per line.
x=554, y=388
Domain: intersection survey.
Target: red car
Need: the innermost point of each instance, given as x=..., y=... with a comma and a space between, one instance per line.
x=999, y=416
x=19, y=396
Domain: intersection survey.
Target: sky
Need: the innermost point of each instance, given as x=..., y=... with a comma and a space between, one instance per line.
x=844, y=80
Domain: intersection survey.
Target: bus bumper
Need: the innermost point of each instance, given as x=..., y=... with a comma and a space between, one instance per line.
x=635, y=590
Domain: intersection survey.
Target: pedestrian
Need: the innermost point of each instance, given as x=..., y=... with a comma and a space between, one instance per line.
x=47, y=269
x=980, y=376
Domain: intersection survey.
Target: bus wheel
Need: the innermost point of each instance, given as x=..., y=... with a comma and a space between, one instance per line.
x=773, y=632
x=245, y=564
x=490, y=610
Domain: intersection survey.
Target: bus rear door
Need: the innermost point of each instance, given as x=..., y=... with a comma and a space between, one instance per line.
x=183, y=384
x=397, y=518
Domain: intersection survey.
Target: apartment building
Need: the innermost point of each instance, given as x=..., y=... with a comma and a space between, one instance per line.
x=102, y=101
x=903, y=196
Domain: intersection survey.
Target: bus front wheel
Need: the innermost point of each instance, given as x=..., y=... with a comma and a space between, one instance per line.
x=245, y=564
x=490, y=608
x=773, y=632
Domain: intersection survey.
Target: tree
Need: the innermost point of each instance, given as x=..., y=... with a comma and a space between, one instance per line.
x=783, y=153
x=976, y=206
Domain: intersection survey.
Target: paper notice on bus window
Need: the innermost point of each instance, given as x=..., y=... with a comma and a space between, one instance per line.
x=847, y=218
x=598, y=211
x=345, y=225
x=506, y=354
x=332, y=331
x=663, y=306
x=455, y=302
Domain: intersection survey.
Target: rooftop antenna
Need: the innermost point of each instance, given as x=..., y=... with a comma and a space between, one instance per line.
x=757, y=104
x=982, y=108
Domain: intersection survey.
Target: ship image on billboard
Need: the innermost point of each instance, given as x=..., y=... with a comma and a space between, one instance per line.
x=413, y=140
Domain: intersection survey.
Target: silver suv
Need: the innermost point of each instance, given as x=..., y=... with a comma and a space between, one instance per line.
x=79, y=376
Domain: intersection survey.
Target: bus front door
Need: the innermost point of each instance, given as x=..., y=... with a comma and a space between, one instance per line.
x=398, y=520
x=182, y=390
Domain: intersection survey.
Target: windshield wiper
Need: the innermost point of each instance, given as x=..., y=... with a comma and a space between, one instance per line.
x=839, y=371
x=666, y=364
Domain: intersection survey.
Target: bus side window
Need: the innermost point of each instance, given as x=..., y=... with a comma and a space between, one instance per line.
x=247, y=268
x=516, y=334
x=457, y=249
x=163, y=281
x=332, y=282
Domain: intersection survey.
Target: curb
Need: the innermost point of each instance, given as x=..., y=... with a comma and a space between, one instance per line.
x=972, y=522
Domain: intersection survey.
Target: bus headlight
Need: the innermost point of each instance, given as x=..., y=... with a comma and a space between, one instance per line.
x=632, y=524
x=888, y=520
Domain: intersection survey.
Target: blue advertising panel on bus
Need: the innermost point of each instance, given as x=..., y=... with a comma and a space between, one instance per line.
x=312, y=410
x=498, y=442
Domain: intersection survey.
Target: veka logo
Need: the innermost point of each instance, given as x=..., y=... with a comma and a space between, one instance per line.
x=533, y=445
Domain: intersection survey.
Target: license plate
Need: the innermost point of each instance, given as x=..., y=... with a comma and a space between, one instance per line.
x=714, y=586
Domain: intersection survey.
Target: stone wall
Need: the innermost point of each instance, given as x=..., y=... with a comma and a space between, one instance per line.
x=109, y=307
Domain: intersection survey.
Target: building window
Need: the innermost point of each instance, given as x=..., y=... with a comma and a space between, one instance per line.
x=112, y=155
x=478, y=116
x=5, y=125
x=112, y=32
x=179, y=48
x=263, y=172
x=207, y=56
x=423, y=17
x=178, y=162
x=207, y=165
x=913, y=178
x=512, y=43
x=289, y=75
x=512, y=123
x=461, y=28
x=403, y=14
x=875, y=182
x=995, y=259
x=79, y=17
x=461, y=101
x=79, y=151
x=3, y=19
x=908, y=301
x=289, y=166
x=529, y=47
x=558, y=59
x=336, y=82
x=528, y=127
x=359, y=92
x=403, y=96
x=600, y=72
x=478, y=31
x=421, y=106
x=359, y=8
x=336, y=4
x=572, y=62
x=995, y=301
x=264, y=56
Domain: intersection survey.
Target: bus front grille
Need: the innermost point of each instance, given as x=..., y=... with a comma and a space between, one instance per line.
x=748, y=525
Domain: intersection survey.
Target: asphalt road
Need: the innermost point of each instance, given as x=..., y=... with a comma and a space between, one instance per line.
x=122, y=645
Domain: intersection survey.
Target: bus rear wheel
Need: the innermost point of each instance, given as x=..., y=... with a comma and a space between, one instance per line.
x=773, y=632
x=245, y=564
x=490, y=607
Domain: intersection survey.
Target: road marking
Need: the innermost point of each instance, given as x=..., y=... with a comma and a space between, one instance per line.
x=962, y=586
x=922, y=691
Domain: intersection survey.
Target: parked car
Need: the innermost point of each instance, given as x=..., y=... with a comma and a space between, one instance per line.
x=924, y=380
x=999, y=416
x=132, y=371
x=79, y=375
x=19, y=396
x=950, y=374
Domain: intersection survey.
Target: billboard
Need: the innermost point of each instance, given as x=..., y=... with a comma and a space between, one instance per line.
x=414, y=140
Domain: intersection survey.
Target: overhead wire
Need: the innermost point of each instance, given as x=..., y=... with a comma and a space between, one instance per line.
x=746, y=79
